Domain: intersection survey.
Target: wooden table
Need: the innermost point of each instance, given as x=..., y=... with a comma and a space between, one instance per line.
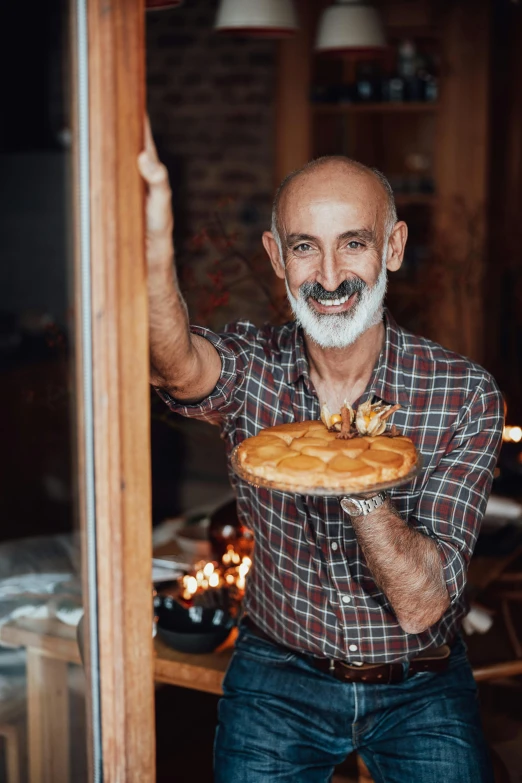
x=51, y=646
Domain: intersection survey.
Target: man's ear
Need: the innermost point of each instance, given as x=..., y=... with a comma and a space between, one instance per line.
x=272, y=248
x=396, y=246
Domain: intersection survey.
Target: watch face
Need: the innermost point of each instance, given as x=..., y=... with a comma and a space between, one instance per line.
x=351, y=507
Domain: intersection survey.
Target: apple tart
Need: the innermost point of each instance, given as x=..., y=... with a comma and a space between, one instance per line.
x=351, y=450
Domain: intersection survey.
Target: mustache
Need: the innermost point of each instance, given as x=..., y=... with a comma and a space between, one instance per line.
x=348, y=287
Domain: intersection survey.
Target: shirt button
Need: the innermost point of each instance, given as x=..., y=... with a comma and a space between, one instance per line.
x=346, y=599
x=353, y=648
x=335, y=546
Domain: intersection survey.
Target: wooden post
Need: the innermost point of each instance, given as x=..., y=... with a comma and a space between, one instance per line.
x=48, y=703
x=456, y=311
x=293, y=117
x=116, y=73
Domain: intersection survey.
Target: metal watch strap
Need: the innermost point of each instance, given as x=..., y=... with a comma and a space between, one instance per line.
x=362, y=506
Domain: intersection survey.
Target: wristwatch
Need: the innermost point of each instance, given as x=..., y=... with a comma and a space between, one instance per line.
x=357, y=507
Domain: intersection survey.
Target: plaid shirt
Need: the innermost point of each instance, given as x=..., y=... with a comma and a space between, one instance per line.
x=309, y=587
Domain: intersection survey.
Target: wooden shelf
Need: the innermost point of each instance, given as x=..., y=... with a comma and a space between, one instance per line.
x=375, y=108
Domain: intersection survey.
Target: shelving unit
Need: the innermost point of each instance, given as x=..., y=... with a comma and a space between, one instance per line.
x=412, y=107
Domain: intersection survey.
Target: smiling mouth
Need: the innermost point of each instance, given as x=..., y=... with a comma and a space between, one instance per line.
x=340, y=305
x=333, y=302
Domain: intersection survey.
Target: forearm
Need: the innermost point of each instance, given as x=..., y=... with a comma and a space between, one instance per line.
x=185, y=365
x=406, y=565
x=170, y=342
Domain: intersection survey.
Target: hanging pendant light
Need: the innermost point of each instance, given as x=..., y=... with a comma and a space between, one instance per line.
x=259, y=18
x=350, y=26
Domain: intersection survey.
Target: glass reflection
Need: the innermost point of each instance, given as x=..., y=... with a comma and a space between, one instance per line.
x=42, y=684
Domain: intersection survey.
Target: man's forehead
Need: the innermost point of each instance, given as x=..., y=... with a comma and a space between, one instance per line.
x=332, y=186
x=316, y=214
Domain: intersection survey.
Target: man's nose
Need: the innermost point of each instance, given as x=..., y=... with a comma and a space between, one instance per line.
x=330, y=273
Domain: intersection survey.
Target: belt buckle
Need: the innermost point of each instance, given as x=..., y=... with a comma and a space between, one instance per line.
x=394, y=673
x=349, y=669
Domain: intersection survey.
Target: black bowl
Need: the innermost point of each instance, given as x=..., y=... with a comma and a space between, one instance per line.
x=195, y=629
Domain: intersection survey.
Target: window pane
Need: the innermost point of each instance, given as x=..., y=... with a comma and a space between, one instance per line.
x=42, y=696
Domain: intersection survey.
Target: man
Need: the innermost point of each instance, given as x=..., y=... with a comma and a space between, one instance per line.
x=351, y=638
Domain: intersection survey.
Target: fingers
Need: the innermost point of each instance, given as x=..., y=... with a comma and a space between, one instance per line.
x=151, y=169
x=150, y=147
x=158, y=202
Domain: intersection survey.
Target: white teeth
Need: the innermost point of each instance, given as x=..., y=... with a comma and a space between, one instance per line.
x=333, y=302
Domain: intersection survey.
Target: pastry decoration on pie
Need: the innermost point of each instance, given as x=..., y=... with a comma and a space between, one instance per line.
x=351, y=449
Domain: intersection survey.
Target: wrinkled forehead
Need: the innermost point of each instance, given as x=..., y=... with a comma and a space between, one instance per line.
x=329, y=194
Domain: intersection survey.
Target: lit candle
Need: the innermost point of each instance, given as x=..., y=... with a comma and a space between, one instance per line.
x=512, y=434
x=227, y=557
x=208, y=569
x=191, y=585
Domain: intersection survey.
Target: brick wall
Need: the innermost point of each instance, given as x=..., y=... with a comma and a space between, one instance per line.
x=211, y=103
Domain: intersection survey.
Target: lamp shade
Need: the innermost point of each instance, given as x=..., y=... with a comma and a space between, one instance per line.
x=350, y=26
x=263, y=18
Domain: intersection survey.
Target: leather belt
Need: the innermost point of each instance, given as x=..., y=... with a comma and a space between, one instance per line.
x=434, y=660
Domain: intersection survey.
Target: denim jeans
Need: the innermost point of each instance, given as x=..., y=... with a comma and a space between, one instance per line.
x=283, y=721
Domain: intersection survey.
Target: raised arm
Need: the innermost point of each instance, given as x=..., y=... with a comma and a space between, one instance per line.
x=187, y=366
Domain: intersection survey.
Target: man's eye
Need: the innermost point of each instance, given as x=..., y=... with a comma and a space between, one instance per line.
x=353, y=245
x=304, y=247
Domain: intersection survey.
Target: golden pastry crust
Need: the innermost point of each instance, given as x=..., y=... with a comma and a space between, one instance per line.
x=400, y=445
x=360, y=474
x=318, y=449
x=286, y=432
x=298, y=444
x=350, y=448
x=323, y=434
x=388, y=462
x=300, y=468
x=307, y=454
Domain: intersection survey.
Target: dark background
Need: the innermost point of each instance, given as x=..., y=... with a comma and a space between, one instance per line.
x=212, y=105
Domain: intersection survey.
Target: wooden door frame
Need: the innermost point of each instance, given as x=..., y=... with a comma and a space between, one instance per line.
x=120, y=424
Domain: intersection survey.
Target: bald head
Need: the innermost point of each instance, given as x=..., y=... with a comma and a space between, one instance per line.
x=335, y=173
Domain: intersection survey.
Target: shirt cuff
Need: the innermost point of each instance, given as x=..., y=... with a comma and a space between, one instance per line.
x=221, y=397
x=453, y=564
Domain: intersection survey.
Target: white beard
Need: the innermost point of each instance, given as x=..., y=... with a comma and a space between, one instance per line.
x=341, y=329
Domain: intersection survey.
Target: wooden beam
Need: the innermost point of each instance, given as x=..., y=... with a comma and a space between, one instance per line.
x=503, y=283
x=461, y=172
x=293, y=117
x=120, y=389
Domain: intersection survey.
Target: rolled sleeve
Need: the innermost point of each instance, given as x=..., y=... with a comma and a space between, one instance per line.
x=234, y=346
x=452, y=503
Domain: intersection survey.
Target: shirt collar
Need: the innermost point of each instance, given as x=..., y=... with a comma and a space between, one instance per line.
x=387, y=382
